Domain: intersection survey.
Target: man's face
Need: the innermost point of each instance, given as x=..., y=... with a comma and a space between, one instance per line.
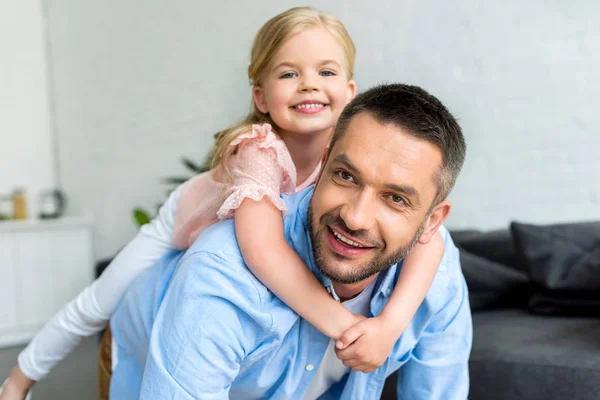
x=372, y=200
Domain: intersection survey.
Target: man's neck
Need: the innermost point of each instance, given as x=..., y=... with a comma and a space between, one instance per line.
x=347, y=291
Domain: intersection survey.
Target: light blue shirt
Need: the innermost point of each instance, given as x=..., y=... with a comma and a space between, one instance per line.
x=199, y=325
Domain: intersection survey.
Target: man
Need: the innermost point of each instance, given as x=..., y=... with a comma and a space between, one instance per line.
x=218, y=333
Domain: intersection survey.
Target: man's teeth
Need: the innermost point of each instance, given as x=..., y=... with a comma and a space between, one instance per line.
x=312, y=105
x=346, y=240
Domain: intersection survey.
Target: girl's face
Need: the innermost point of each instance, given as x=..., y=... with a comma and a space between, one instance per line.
x=306, y=87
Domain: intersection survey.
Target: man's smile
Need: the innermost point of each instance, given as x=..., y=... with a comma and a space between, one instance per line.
x=345, y=246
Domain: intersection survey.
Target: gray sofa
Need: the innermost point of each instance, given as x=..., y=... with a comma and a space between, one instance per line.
x=535, y=297
x=517, y=355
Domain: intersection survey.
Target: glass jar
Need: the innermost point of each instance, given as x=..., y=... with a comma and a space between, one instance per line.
x=19, y=204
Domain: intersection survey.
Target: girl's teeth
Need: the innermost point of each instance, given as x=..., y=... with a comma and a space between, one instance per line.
x=302, y=106
x=345, y=240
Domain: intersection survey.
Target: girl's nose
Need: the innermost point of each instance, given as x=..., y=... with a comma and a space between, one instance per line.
x=309, y=84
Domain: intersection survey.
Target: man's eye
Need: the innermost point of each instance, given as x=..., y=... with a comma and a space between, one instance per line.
x=288, y=75
x=396, y=199
x=344, y=175
x=327, y=73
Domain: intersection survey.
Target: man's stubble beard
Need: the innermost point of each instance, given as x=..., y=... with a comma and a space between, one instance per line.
x=362, y=272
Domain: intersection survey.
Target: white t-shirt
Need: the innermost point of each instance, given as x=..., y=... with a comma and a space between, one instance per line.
x=331, y=369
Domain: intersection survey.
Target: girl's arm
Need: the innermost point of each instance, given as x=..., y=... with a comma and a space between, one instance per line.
x=416, y=276
x=88, y=312
x=260, y=234
x=376, y=336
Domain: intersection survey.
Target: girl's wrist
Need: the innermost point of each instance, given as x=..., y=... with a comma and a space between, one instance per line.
x=393, y=322
x=342, y=323
x=11, y=389
x=19, y=381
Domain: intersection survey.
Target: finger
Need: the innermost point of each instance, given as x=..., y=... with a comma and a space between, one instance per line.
x=348, y=353
x=360, y=368
x=350, y=336
x=352, y=363
x=358, y=349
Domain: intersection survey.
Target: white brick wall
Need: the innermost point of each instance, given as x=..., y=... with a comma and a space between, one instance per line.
x=27, y=158
x=138, y=84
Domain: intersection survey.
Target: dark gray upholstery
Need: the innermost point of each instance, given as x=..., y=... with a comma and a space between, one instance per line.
x=493, y=285
x=560, y=257
x=520, y=356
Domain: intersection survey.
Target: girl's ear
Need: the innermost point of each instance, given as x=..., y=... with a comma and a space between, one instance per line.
x=259, y=99
x=323, y=162
x=351, y=90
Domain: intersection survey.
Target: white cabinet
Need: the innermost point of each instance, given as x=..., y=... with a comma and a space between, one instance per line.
x=43, y=265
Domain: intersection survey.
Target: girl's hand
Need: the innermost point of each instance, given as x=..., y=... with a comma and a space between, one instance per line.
x=365, y=346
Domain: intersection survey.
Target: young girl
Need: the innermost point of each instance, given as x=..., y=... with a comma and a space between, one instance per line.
x=301, y=71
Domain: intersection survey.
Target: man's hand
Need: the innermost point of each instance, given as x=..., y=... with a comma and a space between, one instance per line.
x=365, y=346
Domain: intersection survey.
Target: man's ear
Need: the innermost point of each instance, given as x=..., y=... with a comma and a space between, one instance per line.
x=324, y=157
x=437, y=216
x=258, y=94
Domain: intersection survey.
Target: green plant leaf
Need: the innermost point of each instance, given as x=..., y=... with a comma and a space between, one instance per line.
x=141, y=217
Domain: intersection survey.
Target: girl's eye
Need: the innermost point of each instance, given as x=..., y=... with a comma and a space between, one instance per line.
x=396, y=199
x=288, y=75
x=327, y=73
x=345, y=175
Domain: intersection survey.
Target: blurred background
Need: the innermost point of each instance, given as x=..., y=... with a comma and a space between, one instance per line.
x=100, y=100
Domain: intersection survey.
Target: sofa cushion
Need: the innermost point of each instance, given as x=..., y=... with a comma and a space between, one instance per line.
x=576, y=303
x=495, y=246
x=493, y=285
x=562, y=257
x=520, y=356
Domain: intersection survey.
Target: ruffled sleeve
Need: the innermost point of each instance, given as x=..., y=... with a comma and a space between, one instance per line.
x=260, y=166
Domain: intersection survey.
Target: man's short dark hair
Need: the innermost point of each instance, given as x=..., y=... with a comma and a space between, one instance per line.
x=420, y=115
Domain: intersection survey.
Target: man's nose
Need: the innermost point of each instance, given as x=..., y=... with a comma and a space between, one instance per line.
x=359, y=212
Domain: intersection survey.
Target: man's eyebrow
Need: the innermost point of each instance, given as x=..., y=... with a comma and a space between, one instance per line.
x=407, y=190
x=343, y=159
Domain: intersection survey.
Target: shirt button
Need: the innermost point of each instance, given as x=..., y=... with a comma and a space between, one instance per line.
x=310, y=367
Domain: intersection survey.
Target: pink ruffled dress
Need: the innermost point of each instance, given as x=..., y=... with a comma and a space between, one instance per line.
x=260, y=165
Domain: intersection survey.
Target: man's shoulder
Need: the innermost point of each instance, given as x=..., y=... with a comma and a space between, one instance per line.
x=297, y=204
x=448, y=285
x=215, y=256
x=219, y=240
x=215, y=262
x=450, y=263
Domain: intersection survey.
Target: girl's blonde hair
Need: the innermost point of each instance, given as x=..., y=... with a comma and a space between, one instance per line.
x=267, y=42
